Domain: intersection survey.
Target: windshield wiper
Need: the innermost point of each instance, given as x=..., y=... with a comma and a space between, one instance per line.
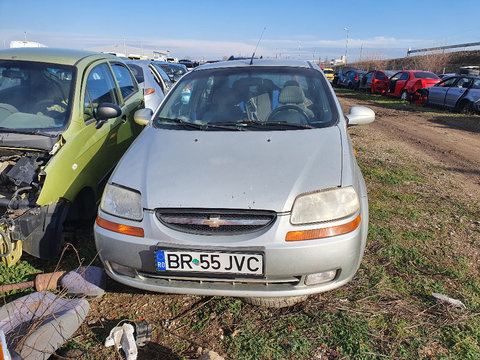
x=26, y=132
x=286, y=124
x=223, y=126
x=262, y=124
x=182, y=122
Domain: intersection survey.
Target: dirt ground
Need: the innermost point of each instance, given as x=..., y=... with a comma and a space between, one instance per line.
x=426, y=138
x=432, y=138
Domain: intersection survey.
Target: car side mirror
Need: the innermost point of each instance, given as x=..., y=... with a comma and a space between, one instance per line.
x=143, y=116
x=360, y=115
x=106, y=111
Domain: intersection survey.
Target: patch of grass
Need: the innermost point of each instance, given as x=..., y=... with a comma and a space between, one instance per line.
x=273, y=340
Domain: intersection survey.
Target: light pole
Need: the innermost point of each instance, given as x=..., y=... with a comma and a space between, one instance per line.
x=346, y=44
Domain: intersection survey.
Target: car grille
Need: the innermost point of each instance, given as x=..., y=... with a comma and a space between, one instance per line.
x=290, y=281
x=216, y=222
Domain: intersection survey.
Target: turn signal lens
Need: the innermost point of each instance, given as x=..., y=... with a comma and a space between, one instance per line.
x=149, y=91
x=324, y=232
x=120, y=228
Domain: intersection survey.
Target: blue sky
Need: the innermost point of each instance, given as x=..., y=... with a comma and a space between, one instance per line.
x=208, y=29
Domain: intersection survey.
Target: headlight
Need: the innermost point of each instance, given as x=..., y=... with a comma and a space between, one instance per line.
x=122, y=202
x=325, y=205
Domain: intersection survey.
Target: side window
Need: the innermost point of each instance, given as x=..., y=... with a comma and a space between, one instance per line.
x=476, y=84
x=463, y=83
x=448, y=82
x=396, y=76
x=404, y=76
x=124, y=79
x=380, y=76
x=100, y=88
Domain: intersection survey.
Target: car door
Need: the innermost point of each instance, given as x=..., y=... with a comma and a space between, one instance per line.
x=437, y=93
x=166, y=79
x=158, y=78
x=393, y=82
x=379, y=82
x=102, y=147
x=401, y=83
x=131, y=101
x=457, y=91
x=473, y=93
x=369, y=80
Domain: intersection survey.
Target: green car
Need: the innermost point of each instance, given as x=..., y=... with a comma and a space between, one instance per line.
x=66, y=118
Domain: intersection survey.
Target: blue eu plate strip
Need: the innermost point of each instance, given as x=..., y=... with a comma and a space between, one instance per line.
x=161, y=264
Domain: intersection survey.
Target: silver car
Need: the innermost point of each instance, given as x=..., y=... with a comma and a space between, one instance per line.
x=244, y=183
x=459, y=92
x=152, y=79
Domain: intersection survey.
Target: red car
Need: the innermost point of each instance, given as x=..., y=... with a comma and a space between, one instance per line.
x=377, y=82
x=404, y=84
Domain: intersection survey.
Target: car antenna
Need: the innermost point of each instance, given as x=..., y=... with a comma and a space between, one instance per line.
x=251, y=60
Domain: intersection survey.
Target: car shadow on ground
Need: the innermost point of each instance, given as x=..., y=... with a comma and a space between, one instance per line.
x=471, y=124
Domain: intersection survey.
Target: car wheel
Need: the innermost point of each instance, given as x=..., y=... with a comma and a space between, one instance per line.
x=465, y=107
x=404, y=96
x=277, y=303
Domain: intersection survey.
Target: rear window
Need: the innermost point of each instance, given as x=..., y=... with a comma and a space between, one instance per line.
x=425, y=75
x=251, y=95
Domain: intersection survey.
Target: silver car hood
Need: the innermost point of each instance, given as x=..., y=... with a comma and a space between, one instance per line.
x=232, y=169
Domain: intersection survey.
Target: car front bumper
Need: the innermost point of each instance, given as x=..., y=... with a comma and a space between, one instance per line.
x=131, y=260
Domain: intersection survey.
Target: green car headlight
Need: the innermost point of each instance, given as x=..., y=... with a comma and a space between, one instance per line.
x=327, y=205
x=122, y=202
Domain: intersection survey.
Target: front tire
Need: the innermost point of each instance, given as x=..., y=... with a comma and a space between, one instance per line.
x=276, y=303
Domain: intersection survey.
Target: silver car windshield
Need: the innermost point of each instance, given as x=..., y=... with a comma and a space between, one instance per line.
x=261, y=98
x=34, y=97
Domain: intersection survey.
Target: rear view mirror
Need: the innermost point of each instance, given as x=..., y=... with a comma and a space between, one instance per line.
x=360, y=115
x=142, y=116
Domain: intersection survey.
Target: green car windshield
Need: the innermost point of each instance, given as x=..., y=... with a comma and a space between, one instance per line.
x=260, y=97
x=35, y=97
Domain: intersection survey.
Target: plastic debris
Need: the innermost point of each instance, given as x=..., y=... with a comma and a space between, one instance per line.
x=122, y=338
x=449, y=300
x=36, y=325
x=4, y=353
x=88, y=281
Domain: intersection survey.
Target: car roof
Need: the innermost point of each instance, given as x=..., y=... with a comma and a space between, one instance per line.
x=256, y=63
x=51, y=55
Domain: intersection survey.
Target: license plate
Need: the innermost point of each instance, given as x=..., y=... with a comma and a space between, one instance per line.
x=209, y=262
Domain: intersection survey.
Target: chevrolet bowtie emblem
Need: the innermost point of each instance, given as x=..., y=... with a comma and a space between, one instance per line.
x=213, y=222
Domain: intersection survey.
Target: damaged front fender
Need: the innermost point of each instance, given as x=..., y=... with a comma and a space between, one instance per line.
x=38, y=231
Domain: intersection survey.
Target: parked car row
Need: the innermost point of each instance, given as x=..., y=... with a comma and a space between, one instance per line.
x=454, y=92
x=400, y=84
